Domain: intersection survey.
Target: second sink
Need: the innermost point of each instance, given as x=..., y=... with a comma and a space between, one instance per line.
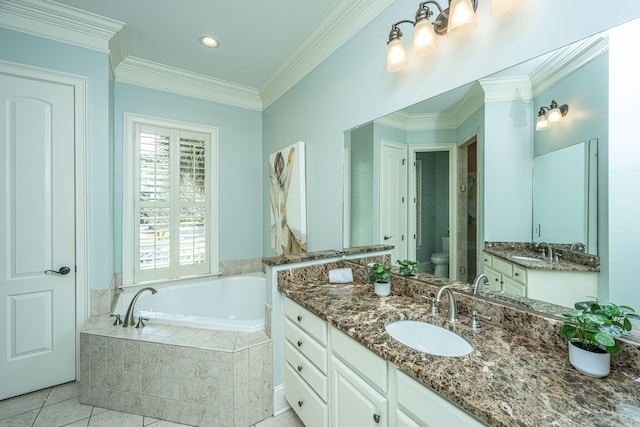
x=429, y=338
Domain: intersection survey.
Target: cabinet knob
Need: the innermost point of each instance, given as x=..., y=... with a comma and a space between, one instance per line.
x=517, y=274
x=299, y=343
x=299, y=368
x=300, y=403
x=299, y=318
x=376, y=418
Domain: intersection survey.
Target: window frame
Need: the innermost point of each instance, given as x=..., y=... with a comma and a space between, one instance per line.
x=131, y=197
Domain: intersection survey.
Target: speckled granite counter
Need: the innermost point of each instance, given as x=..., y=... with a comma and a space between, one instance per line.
x=312, y=256
x=569, y=261
x=509, y=379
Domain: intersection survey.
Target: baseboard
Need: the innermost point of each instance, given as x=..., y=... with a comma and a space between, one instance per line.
x=280, y=404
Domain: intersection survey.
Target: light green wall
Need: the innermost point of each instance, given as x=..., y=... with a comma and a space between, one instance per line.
x=239, y=161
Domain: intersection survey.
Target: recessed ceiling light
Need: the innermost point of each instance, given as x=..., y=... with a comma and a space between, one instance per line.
x=209, y=41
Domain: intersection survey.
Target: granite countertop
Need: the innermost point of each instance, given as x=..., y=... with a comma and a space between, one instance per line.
x=508, y=380
x=570, y=261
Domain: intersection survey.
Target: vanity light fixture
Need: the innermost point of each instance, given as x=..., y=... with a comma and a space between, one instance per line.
x=458, y=19
x=552, y=115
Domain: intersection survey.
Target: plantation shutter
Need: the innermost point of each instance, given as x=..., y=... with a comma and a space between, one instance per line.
x=173, y=204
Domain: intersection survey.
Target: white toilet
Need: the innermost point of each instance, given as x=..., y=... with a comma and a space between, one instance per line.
x=441, y=259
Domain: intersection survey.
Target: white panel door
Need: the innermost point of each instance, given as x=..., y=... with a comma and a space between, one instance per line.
x=37, y=233
x=393, y=197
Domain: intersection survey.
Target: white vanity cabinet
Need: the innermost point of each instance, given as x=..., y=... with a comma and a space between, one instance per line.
x=306, y=364
x=557, y=287
x=332, y=380
x=358, y=384
x=418, y=405
x=504, y=276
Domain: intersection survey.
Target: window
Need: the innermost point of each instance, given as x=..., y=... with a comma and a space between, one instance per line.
x=170, y=224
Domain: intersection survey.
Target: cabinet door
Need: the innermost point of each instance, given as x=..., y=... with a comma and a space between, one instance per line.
x=353, y=401
x=495, y=279
x=514, y=288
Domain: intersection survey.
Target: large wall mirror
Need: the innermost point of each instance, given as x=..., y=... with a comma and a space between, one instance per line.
x=426, y=179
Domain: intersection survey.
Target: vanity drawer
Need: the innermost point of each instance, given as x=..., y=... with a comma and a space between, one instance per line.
x=502, y=266
x=488, y=260
x=519, y=275
x=305, y=369
x=306, y=345
x=369, y=365
x=309, y=322
x=307, y=405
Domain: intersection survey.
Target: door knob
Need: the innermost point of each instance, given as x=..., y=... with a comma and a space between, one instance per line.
x=62, y=271
x=387, y=237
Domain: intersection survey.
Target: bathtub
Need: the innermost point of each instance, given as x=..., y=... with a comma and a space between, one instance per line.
x=234, y=303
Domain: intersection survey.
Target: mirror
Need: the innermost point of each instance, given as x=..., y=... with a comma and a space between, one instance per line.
x=501, y=106
x=565, y=196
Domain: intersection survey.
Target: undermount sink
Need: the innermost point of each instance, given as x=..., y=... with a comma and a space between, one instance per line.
x=526, y=258
x=429, y=338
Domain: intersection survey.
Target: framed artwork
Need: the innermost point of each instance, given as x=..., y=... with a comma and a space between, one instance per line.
x=288, y=200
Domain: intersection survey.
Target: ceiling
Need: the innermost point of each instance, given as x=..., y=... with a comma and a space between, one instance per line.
x=259, y=41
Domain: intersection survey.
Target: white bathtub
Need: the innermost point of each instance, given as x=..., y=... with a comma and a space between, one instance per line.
x=231, y=303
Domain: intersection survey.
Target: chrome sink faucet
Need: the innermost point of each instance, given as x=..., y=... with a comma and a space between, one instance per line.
x=452, y=315
x=476, y=283
x=128, y=318
x=549, y=250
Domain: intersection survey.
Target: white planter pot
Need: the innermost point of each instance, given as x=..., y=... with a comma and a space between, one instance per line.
x=595, y=365
x=382, y=289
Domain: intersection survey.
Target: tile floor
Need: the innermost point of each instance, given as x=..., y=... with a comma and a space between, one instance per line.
x=60, y=406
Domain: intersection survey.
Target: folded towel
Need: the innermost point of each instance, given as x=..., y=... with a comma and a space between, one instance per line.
x=341, y=275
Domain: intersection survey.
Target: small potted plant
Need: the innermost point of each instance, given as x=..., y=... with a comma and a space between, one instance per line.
x=591, y=330
x=408, y=267
x=381, y=279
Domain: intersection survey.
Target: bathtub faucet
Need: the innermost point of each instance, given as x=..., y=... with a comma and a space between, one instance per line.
x=128, y=318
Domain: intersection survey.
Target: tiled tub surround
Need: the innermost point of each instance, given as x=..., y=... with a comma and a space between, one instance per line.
x=569, y=261
x=518, y=373
x=193, y=376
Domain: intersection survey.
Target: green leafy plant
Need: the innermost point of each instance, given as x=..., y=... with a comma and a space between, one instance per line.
x=380, y=273
x=408, y=267
x=596, y=326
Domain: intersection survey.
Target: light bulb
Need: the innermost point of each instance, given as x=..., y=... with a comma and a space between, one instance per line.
x=462, y=18
x=542, y=122
x=396, y=56
x=424, y=38
x=554, y=116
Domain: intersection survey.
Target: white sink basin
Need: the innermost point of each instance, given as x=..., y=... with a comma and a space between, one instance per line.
x=526, y=258
x=429, y=338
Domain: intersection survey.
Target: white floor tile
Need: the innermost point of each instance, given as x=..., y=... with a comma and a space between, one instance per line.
x=21, y=404
x=63, y=413
x=115, y=418
x=23, y=420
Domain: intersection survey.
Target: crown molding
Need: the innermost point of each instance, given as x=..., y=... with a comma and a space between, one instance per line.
x=502, y=89
x=567, y=60
x=342, y=22
x=59, y=22
x=154, y=75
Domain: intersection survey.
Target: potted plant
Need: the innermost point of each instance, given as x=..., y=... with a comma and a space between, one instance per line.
x=591, y=330
x=381, y=279
x=408, y=267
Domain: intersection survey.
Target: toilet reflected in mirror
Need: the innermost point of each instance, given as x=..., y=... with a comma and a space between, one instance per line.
x=440, y=260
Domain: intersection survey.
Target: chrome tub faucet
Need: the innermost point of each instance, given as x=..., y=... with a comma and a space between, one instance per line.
x=128, y=318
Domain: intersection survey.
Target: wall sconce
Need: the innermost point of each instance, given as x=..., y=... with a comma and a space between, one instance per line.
x=458, y=19
x=547, y=117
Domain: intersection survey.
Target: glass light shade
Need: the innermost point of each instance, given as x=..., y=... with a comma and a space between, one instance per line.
x=396, y=56
x=542, y=122
x=424, y=38
x=554, y=116
x=504, y=6
x=462, y=18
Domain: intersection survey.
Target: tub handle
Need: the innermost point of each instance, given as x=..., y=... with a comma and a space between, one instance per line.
x=300, y=403
x=299, y=368
x=299, y=343
x=299, y=318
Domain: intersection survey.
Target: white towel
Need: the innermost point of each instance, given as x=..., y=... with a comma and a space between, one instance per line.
x=341, y=275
